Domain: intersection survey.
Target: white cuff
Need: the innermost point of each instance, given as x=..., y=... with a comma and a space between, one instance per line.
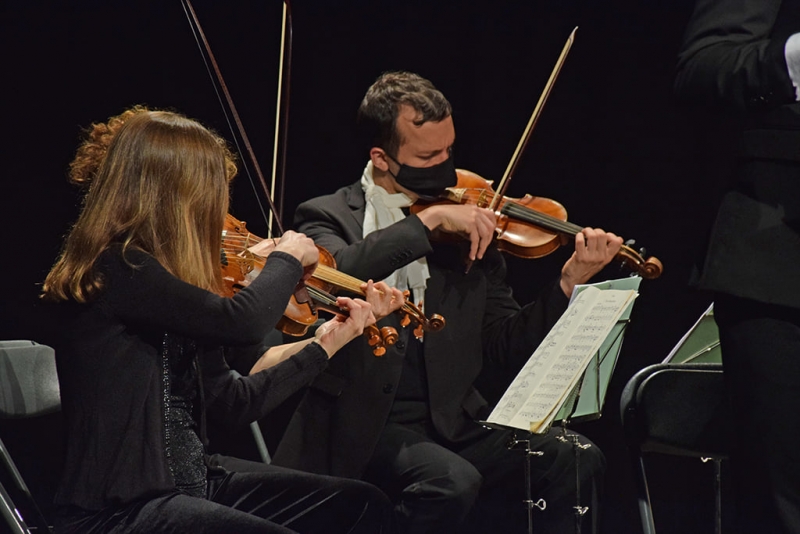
x=792, y=53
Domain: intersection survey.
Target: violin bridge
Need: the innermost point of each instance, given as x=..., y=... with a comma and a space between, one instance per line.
x=455, y=194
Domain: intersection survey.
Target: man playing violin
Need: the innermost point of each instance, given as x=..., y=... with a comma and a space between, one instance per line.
x=407, y=421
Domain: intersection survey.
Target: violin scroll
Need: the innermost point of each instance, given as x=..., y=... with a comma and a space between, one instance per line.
x=649, y=269
x=434, y=323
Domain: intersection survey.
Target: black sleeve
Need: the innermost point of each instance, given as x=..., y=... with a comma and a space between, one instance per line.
x=146, y=293
x=732, y=56
x=511, y=333
x=243, y=358
x=374, y=257
x=240, y=401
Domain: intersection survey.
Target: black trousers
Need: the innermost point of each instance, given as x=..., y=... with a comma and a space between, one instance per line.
x=480, y=486
x=258, y=498
x=761, y=357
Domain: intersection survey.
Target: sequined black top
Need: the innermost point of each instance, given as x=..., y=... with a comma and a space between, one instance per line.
x=184, y=448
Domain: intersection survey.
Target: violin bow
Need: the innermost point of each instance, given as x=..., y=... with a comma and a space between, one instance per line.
x=650, y=268
x=377, y=339
x=219, y=86
x=537, y=111
x=282, y=108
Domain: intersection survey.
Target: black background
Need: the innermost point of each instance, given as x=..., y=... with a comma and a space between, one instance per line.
x=611, y=145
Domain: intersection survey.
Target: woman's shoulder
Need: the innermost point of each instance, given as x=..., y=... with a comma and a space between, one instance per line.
x=120, y=259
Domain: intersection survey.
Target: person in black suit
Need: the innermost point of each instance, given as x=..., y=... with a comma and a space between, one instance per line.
x=407, y=421
x=744, y=56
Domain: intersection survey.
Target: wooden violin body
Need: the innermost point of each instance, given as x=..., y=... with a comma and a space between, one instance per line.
x=531, y=227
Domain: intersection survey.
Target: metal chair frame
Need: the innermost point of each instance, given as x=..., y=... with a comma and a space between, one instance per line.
x=676, y=409
x=28, y=388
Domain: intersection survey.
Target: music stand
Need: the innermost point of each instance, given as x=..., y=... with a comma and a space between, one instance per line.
x=700, y=344
x=585, y=401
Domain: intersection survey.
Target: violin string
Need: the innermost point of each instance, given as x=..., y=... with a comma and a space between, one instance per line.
x=233, y=244
x=322, y=296
x=522, y=212
x=235, y=253
x=540, y=219
x=345, y=281
x=241, y=239
x=327, y=299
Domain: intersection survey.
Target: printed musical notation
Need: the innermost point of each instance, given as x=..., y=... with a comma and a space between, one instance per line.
x=553, y=370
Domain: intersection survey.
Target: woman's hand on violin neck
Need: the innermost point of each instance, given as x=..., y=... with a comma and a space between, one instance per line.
x=474, y=223
x=301, y=247
x=383, y=298
x=339, y=331
x=594, y=249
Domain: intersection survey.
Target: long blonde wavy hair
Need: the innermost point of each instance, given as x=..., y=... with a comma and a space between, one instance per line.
x=156, y=181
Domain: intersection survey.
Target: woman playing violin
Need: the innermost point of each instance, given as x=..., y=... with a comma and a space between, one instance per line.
x=140, y=351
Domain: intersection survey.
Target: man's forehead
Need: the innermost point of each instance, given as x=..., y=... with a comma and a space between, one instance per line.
x=430, y=135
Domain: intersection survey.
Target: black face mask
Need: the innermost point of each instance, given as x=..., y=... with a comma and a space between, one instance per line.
x=427, y=182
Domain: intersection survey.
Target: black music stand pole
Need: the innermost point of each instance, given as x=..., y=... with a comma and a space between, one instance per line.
x=529, y=502
x=577, y=447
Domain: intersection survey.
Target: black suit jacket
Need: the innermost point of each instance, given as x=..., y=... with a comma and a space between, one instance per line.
x=337, y=424
x=733, y=58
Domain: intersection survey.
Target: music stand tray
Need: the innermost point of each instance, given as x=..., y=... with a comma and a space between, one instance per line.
x=700, y=344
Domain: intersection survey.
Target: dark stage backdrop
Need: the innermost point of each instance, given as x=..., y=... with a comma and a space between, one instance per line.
x=611, y=145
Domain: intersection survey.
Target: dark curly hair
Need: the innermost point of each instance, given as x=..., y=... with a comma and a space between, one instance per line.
x=377, y=114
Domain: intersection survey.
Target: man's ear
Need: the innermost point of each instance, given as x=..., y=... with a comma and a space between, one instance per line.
x=379, y=159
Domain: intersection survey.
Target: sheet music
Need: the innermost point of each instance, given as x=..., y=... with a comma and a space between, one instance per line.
x=541, y=386
x=592, y=388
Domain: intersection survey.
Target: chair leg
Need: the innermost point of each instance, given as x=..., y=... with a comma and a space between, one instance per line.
x=8, y=505
x=11, y=514
x=718, y=496
x=261, y=445
x=645, y=508
x=12, y=469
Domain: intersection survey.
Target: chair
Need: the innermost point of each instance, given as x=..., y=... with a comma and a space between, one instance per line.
x=676, y=409
x=28, y=388
x=258, y=436
x=273, y=338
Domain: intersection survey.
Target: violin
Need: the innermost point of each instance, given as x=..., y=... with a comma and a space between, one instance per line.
x=239, y=267
x=530, y=227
